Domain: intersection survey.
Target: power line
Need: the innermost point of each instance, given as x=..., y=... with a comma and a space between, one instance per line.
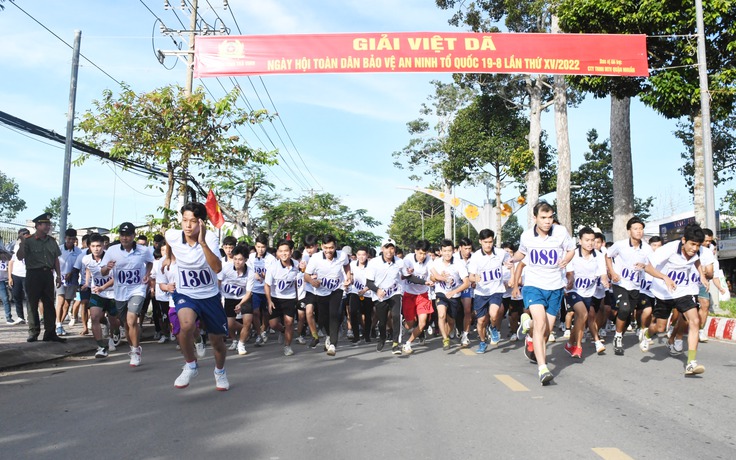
x=64, y=42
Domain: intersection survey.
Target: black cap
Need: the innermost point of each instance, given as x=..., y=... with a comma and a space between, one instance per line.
x=44, y=218
x=126, y=228
x=24, y=231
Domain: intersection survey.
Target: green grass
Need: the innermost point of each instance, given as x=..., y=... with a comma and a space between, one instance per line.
x=729, y=307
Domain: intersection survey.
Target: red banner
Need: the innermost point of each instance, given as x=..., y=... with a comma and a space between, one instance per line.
x=568, y=54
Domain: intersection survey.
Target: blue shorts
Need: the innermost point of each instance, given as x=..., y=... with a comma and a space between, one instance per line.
x=481, y=303
x=467, y=294
x=703, y=293
x=210, y=311
x=259, y=302
x=452, y=305
x=85, y=295
x=551, y=300
x=574, y=297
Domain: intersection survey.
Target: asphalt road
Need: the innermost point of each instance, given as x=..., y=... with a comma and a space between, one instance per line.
x=367, y=405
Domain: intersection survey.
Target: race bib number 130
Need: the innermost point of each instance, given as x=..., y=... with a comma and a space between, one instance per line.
x=195, y=278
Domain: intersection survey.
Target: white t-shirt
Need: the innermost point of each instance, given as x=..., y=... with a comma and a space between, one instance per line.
x=234, y=285
x=490, y=271
x=259, y=265
x=67, y=259
x=19, y=267
x=386, y=275
x=457, y=271
x=624, y=257
x=330, y=273
x=359, y=279
x=129, y=270
x=669, y=260
x=283, y=280
x=587, y=272
x=543, y=255
x=87, y=263
x=158, y=276
x=419, y=270
x=195, y=277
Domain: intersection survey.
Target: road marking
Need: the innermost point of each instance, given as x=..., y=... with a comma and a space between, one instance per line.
x=512, y=383
x=611, y=453
x=468, y=352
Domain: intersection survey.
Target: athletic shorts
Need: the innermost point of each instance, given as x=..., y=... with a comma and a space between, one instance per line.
x=133, y=305
x=609, y=300
x=704, y=293
x=625, y=297
x=481, y=303
x=209, y=311
x=573, y=298
x=107, y=305
x=467, y=294
x=550, y=299
x=413, y=305
x=230, y=305
x=596, y=304
x=85, y=295
x=283, y=307
x=645, y=302
x=308, y=299
x=663, y=308
x=174, y=321
x=513, y=305
x=258, y=302
x=300, y=305
x=68, y=292
x=452, y=305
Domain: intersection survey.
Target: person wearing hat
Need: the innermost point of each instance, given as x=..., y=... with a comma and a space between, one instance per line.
x=131, y=266
x=41, y=255
x=17, y=279
x=383, y=277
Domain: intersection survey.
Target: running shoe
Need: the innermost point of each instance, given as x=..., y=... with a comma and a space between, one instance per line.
x=241, y=348
x=566, y=335
x=524, y=323
x=301, y=340
x=259, y=341
x=156, y=335
x=288, y=351
x=446, y=344
x=702, y=336
x=599, y=347
x=199, y=348
x=678, y=345
x=422, y=339
x=464, y=341
x=135, y=357
x=331, y=350
x=72, y=322
x=513, y=338
x=101, y=352
x=111, y=345
x=350, y=334
x=495, y=336
x=577, y=353
x=481, y=348
x=395, y=349
x=569, y=348
x=264, y=337
x=602, y=333
x=644, y=343
x=430, y=330
x=406, y=349
x=121, y=333
x=233, y=346
x=693, y=368
x=172, y=337
x=162, y=339
x=618, y=345
x=221, y=382
x=551, y=338
x=60, y=331
x=545, y=376
x=379, y=345
x=671, y=348
x=314, y=342
x=529, y=349
x=187, y=374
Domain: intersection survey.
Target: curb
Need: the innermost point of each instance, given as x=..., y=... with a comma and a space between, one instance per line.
x=21, y=354
x=721, y=328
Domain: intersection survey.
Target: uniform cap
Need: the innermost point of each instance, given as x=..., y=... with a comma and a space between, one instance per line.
x=126, y=228
x=44, y=218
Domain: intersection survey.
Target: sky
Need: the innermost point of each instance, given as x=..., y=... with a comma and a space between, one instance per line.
x=344, y=127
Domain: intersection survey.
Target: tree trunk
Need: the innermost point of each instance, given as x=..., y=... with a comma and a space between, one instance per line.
x=448, y=212
x=170, y=182
x=563, y=146
x=533, y=178
x=623, y=180
x=497, y=225
x=699, y=170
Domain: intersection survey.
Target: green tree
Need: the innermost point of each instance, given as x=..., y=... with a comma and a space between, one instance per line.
x=511, y=231
x=406, y=223
x=317, y=214
x=54, y=208
x=10, y=202
x=592, y=199
x=171, y=130
x=724, y=151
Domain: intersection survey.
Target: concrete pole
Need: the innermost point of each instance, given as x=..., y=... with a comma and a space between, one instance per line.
x=69, y=135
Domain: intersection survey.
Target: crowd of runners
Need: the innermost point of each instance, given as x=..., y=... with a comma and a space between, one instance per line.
x=237, y=297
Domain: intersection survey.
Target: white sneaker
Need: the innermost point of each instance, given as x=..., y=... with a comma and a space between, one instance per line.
x=288, y=351
x=551, y=338
x=566, y=334
x=122, y=332
x=17, y=321
x=678, y=345
x=331, y=350
x=301, y=340
x=644, y=343
x=602, y=333
x=702, y=335
x=406, y=349
x=162, y=339
x=72, y=322
x=135, y=356
x=241, y=348
x=465, y=341
x=172, y=337
x=111, y=345
x=101, y=352
x=513, y=338
x=199, y=348
x=327, y=342
x=430, y=330
x=599, y=347
x=221, y=382
x=233, y=346
x=264, y=336
x=187, y=374
x=350, y=334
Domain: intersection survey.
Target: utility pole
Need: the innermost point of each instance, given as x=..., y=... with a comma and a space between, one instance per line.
x=188, y=91
x=710, y=202
x=69, y=135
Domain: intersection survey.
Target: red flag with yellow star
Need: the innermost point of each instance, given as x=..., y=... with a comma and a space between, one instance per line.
x=213, y=210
